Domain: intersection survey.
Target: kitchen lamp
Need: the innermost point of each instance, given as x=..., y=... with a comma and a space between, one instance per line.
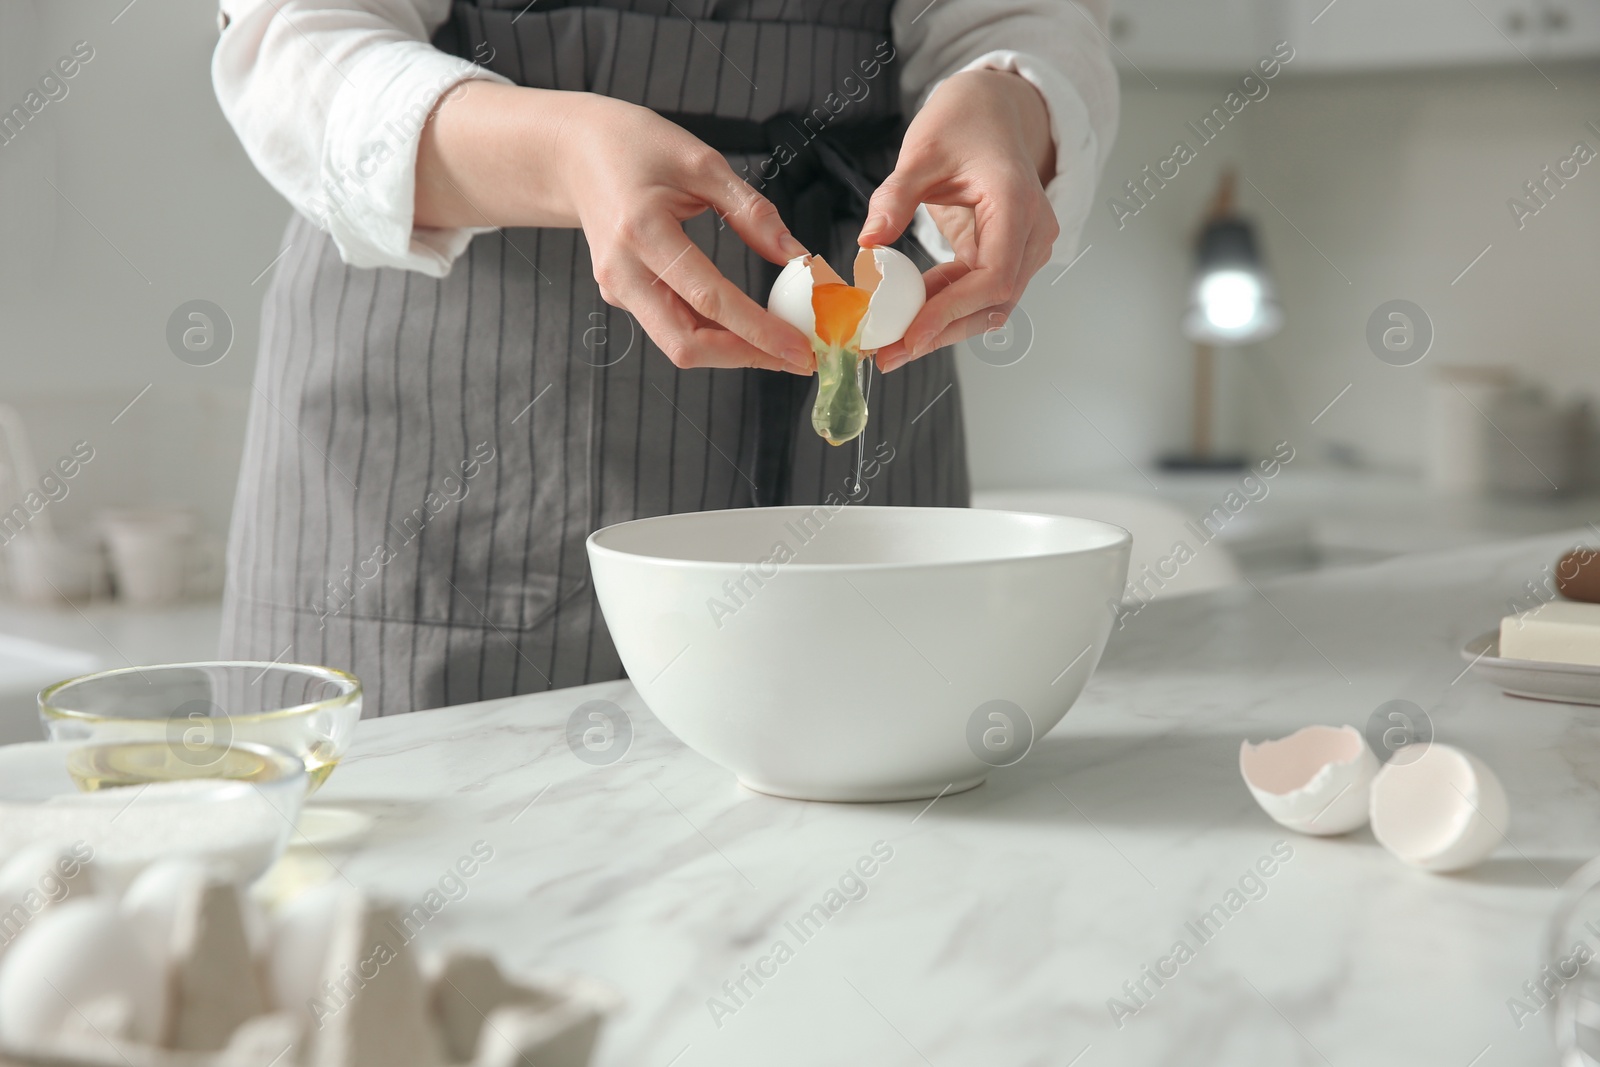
x=1232, y=302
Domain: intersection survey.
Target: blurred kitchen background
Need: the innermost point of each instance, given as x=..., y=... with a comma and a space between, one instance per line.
x=1380, y=165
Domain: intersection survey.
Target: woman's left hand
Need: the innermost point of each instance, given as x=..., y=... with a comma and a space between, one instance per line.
x=979, y=154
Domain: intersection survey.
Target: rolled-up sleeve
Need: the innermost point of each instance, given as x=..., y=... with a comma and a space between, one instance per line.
x=1059, y=46
x=329, y=98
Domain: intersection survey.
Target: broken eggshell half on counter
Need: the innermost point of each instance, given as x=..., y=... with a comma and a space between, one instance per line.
x=1438, y=808
x=1315, y=781
x=1432, y=806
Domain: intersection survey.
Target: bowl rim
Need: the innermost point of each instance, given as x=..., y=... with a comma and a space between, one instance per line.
x=594, y=546
x=334, y=674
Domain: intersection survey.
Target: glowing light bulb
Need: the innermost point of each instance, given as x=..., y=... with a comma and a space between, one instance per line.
x=1231, y=299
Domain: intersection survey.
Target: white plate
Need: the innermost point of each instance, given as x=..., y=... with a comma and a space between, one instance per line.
x=1570, y=683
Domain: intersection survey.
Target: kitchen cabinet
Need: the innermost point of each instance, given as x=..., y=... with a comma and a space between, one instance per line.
x=1357, y=34
x=1227, y=36
x=1568, y=29
x=1201, y=36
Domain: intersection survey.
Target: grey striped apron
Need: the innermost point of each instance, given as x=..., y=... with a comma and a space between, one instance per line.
x=424, y=457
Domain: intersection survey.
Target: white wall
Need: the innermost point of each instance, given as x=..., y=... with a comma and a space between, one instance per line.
x=164, y=208
x=1399, y=180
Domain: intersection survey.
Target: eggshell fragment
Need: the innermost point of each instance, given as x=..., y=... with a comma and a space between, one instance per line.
x=1315, y=781
x=1441, y=809
x=897, y=295
x=790, y=298
x=80, y=960
x=896, y=285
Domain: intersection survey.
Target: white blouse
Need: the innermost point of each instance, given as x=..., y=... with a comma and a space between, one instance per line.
x=329, y=97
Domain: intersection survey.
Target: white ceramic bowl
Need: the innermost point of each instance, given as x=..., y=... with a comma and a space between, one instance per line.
x=859, y=653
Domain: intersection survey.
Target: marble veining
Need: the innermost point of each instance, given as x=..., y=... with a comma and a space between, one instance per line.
x=999, y=926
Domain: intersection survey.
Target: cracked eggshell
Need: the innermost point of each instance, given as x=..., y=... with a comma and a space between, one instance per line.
x=1440, y=809
x=80, y=956
x=896, y=285
x=1315, y=781
x=790, y=298
x=897, y=295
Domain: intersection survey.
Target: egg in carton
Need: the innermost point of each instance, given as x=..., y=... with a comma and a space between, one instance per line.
x=184, y=971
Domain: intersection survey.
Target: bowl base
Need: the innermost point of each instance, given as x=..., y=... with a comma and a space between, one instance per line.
x=867, y=794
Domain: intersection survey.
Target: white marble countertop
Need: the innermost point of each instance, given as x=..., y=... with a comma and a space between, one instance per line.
x=1314, y=516
x=1005, y=918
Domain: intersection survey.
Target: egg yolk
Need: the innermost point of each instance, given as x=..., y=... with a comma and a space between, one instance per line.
x=839, y=309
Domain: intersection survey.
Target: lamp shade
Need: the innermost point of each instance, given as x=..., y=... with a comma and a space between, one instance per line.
x=1233, y=301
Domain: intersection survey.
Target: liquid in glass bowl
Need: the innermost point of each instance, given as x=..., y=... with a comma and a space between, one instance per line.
x=185, y=720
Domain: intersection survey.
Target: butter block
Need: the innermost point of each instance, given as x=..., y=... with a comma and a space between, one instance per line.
x=1560, y=631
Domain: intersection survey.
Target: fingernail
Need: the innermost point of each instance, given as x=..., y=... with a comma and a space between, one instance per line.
x=790, y=246
x=875, y=222
x=800, y=357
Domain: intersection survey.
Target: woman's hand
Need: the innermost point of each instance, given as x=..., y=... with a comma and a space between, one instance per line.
x=979, y=154
x=496, y=155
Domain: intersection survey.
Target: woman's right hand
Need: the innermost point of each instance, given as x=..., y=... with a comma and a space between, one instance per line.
x=497, y=155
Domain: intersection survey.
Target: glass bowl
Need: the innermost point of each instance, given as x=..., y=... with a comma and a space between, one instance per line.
x=1569, y=981
x=195, y=713
x=123, y=805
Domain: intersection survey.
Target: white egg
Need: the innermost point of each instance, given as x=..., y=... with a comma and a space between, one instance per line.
x=1438, y=808
x=790, y=298
x=896, y=285
x=302, y=931
x=1315, y=781
x=77, y=960
x=898, y=293
x=36, y=878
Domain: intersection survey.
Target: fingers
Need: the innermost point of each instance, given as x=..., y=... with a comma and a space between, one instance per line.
x=682, y=268
x=935, y=280
x=939, y=277
x=891, y=207
x=957, y=227
x=1003, y=232
x=687, y=339
x=953, y=286
x=752, y=216
x=993, y=318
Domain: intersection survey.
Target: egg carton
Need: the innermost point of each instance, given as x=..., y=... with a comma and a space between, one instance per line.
x=375, y=1005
